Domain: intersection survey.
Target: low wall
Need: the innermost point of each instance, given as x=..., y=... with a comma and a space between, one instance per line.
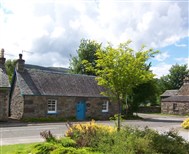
x=149, y=109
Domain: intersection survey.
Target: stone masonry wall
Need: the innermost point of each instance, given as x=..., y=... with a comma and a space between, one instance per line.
x=17, y=103
x=181, y=108
x=4, y=97
x=36, y=106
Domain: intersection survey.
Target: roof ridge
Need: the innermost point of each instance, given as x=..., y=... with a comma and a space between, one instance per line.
x=51, y=70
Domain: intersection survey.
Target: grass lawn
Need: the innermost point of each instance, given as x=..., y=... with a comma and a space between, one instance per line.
x=12, y=149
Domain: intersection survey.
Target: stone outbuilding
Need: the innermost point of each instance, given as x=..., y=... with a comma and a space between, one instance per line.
x=41, y=92
x=176, y=101
x=4, y=89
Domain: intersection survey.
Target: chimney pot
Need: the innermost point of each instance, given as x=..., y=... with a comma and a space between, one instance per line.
x=20, y=56
x=20, y=64
x=2, y=53
x=2, y=59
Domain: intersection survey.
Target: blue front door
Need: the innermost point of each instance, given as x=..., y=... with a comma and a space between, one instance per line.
x=80, y=110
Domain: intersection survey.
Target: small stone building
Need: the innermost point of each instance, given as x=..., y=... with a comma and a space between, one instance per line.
x=46, y=92
x=176, y=101
x=4, y=89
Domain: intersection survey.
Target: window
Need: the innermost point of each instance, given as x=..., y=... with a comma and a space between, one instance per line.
x=105, y=106
x=175, y=107
x=52, y=106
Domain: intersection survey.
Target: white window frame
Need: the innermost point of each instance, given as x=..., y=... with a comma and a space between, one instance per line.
x=53, y=102
x=105, y=106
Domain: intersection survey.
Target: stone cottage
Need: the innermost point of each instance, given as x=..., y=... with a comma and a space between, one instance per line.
x=4, y=89
x=46, y=92
x=176, y=101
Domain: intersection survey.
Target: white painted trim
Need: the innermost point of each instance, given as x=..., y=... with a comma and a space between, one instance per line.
x=107, y=106
x=51, y=112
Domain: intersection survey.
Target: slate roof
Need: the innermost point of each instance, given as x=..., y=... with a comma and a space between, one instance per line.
x=170, y=93
x=176, y=99
x=4, y=80
x=181, y=95
x=184, y=90
x=44, y=81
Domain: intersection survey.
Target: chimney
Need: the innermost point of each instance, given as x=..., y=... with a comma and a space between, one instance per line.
x=186, y=79
x=20, y=64
x=2, y=59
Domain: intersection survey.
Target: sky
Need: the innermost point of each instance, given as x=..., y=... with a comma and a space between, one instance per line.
x=47, y=32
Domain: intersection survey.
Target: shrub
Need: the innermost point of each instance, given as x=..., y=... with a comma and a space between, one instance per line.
x=127, y=140
x=48, y=136
x=71, y=150
x=136, y=141
x=67, y=142
x=61, y=146
x=185, y=124
x=169, y=142
x=87, y=134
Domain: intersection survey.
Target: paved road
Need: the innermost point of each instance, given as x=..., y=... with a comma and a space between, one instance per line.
x=14, y=133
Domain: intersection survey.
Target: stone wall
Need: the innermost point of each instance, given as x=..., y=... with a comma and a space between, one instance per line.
x=181, y=108
x=4, y=97
x=149, y=109
x=17, y=103
x=36, y=106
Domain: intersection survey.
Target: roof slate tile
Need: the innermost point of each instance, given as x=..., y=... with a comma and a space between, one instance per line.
x=4, y=80
x=35, y=81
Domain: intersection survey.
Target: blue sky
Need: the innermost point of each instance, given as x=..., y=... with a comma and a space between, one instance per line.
x=177, y=53
x=49, y=31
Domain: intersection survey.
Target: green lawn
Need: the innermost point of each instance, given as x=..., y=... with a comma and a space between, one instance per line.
x=12, y=149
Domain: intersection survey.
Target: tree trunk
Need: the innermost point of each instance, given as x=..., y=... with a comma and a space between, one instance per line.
x=119, y=116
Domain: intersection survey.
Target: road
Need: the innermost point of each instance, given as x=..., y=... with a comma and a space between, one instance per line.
x=28, y=133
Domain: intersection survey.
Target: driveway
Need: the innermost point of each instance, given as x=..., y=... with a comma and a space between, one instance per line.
x=14, y=133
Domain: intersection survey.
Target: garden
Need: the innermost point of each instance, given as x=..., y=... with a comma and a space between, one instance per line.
x=93, y=138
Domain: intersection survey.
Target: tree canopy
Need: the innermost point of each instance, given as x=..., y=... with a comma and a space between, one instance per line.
x=10, y=65
x=177, y=75
x=119, y=70
x=86, y=52
x=174, y=80
x=146, y=93
x=122, y=69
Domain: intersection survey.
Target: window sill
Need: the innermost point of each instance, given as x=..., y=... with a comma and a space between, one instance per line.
x=104, y=111
x=52, y=113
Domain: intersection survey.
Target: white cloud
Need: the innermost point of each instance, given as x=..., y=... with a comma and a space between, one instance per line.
x=57, y=32
x=43, y=27
x=161, y=69
x=162, y=56
x=182, y=60
x=180, y=45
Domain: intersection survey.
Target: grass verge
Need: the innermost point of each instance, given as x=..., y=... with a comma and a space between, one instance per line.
x=12, y=149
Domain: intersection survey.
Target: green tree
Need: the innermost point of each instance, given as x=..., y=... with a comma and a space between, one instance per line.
x=174, y=80
x=10, y=65
x=164, y=84
x=86, y=52
x=146, y=93
x=176, y=75
x=120, y=70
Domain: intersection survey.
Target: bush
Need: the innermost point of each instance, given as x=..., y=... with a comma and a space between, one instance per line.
x=48, y=136
x=91, y=138
x=70, y=150
x=88, y=134
x=61, y=146
x=67, y=142
x=136, y=141
x=128, y=140
x=185, y=124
